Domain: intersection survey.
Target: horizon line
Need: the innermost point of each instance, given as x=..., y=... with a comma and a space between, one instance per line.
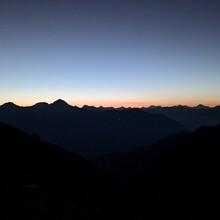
x=112, y=106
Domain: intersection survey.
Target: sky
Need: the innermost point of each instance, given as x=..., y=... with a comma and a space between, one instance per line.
x=110, y=52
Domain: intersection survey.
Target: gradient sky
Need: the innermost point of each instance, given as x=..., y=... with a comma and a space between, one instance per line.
x=110, y=52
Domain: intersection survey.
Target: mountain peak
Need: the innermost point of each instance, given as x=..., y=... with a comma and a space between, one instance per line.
x=41, y=104
x=9, y=105
x=60, y=102
x=88, y=107
x=200, y=106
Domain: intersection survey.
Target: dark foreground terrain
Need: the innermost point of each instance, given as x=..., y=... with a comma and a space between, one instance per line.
x=42, y=181
x=179, y=176
x=175, y=178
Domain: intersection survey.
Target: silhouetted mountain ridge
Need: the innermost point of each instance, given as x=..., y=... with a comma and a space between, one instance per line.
x=41, y=104
x=200, y=106
x=60, y=103
x=9, y=105
x=89, y=132
x=190, y=117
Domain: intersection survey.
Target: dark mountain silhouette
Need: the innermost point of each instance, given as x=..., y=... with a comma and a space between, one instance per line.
x=100, y=108
x=179, y=175
x=190, y=117
x=217, y=107
x=41, y=105
x=88, y=107
x=42, y=181
x=200, y=106
x=89, y=132
x=9, y=105
x=60, y=102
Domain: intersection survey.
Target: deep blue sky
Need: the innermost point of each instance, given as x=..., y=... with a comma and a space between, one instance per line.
x=110, y=52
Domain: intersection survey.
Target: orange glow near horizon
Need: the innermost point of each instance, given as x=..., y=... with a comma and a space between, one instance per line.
x=116, y=104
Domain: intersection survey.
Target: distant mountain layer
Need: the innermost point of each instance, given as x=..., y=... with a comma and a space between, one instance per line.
x=180, y=175
x=190, y=117
x=89, y=132
x=43, y=182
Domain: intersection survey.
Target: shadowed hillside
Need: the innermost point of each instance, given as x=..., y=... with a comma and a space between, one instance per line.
x=180, y=175
x=42, y=181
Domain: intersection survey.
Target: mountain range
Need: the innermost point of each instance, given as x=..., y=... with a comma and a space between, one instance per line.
x=89, y=132
x=190, y=117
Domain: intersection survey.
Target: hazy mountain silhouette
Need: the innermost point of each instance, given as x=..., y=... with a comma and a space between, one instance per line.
x=100, y=108
x=190, y=117
x=42, y=181
x=200, y=106
x=179, y=175
x=89, y=132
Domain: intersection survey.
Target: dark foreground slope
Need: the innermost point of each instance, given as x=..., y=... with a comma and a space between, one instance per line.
x=180, y=175
x=89, y=133
x=41, y=181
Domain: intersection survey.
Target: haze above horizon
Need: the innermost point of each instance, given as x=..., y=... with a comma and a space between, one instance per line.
x=110, y=53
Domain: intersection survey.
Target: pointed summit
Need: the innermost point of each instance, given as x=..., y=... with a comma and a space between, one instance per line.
x=200, y=106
